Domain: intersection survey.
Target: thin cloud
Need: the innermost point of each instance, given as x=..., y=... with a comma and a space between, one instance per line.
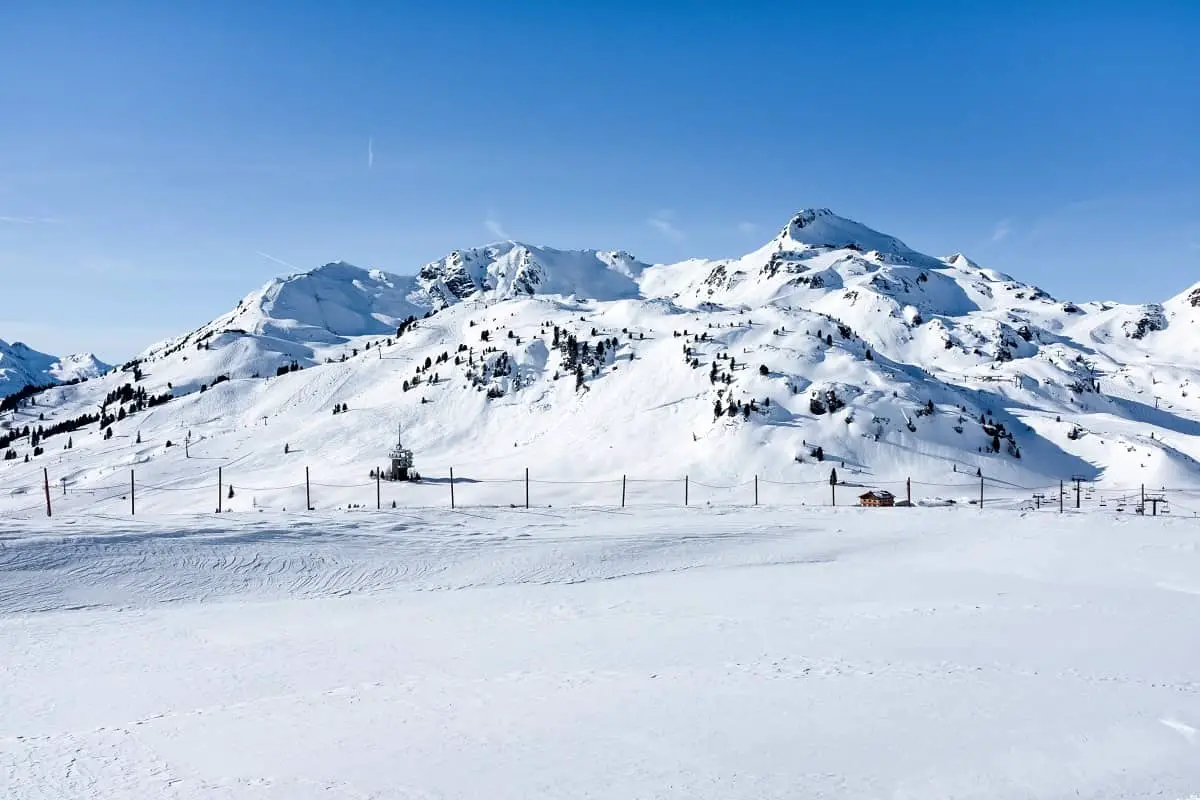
x=27, y=220
x=1002, y=230
x=663, y=223
x=495, y=228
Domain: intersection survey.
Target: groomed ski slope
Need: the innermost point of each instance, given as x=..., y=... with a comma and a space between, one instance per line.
x=651, y=653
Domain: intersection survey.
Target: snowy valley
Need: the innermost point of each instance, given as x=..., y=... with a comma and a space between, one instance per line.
x=832, y=345
x=602, y=583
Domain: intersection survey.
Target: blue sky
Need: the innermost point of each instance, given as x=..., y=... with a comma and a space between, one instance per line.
x=151, y=153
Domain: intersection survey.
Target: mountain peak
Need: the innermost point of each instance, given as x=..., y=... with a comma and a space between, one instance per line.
x=820, y=227
x=960, y=261
x=21, y=366
x=510, y=269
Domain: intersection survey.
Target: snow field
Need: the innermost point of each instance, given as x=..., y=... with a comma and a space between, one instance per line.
x=690, y=653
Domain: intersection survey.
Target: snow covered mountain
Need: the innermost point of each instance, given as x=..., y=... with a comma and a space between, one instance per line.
x=831, y=342
x=22, y=366
x=507, y=270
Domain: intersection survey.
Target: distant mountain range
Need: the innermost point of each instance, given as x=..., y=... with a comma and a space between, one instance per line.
x=21, y=366
x=830, y=340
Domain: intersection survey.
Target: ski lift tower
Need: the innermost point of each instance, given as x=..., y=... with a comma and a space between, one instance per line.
x=401, y=458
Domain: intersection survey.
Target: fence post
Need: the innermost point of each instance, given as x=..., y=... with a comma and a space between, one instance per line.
x=527, y=487
x=220, y=487
x=307, y=492
x=132, y=502
x=755, y=490
x=46, y=486
x=378, y=503
x=685, y=490
x=452, y=487
x=622, y=491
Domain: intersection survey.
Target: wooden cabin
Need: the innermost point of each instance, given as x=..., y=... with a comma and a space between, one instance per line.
x=877, y=498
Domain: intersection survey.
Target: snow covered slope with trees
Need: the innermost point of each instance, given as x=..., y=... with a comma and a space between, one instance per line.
x=831, y=343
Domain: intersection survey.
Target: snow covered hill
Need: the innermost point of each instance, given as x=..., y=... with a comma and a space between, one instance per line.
x=22, y=366
x=831, y=344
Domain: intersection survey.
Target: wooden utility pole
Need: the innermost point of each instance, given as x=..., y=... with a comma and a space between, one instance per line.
x=378, y=472
x=1143, y=498
x=981, y=490
x=307, y=492
x=132, y=502
x=1077, y=480
x=452, y=487
x=755, y=490
x=527, y=487
x=685, y=490
x=46, y=486
x=908, y=490
x=622, y=491
x=1061, y=491
x=220, y=481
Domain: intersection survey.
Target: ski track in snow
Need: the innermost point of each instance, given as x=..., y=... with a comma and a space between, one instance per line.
x=668, y=653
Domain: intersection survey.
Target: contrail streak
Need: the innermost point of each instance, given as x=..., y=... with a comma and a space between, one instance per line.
x=276, y=260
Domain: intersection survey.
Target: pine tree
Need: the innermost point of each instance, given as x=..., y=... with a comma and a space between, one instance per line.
x=829, y=340
x=869, y=356
x=717, y=410
x=230, y=495
x=762, y=370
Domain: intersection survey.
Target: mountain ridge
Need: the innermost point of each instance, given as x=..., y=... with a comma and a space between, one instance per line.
x=831, y=340
x=21, y=366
